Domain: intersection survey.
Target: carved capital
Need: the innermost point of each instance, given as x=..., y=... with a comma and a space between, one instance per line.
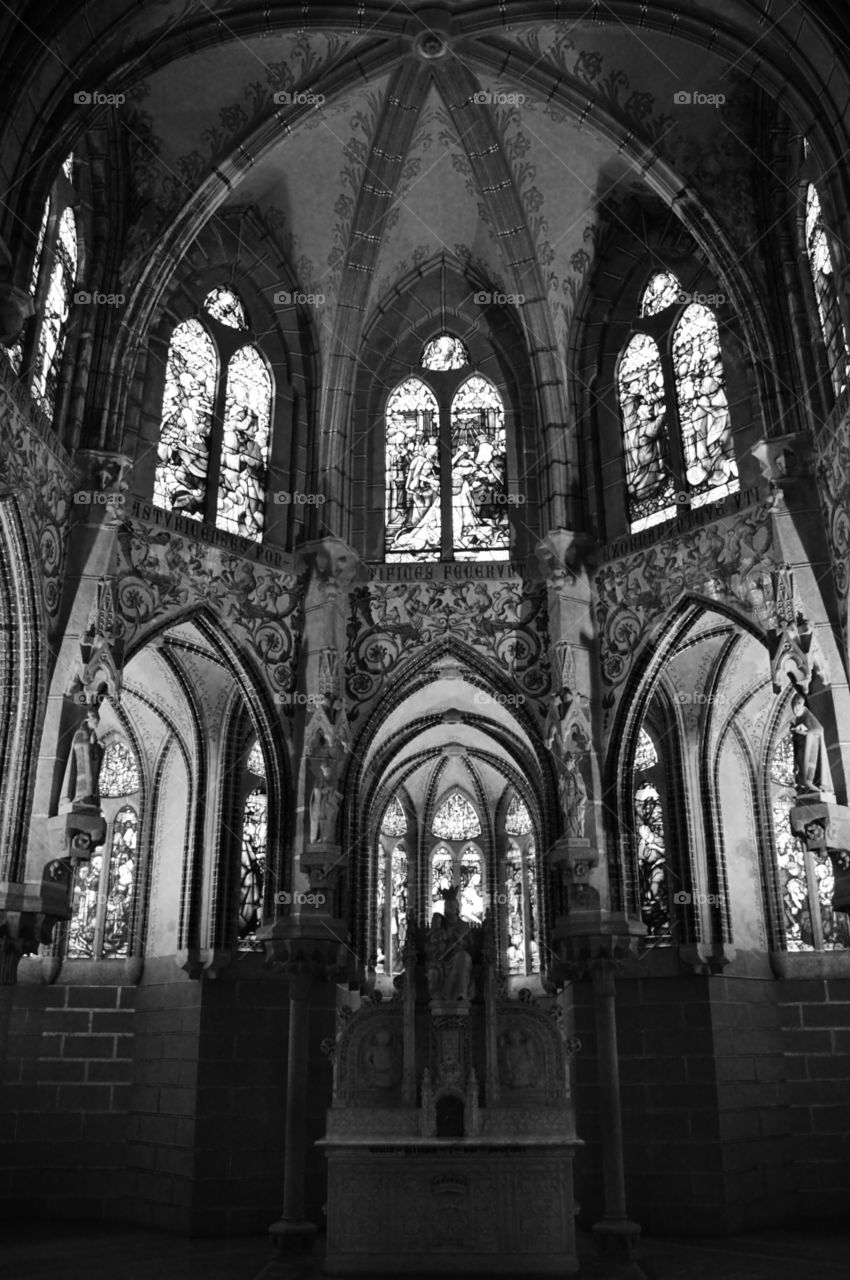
x=707, y=958
x=563, y=555
x=16, y=307
x=102, y=483
x=333, y=564
x=310, y=945
x=200, y=962
x=784, y=459
x=29, y=914
x=76, y=835
x=597, y=944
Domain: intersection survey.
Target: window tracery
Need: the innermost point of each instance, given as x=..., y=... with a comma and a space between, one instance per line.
x=213, y=449
x=394, y=823
x=104, y=888
x=456, y=819
x=677, y=431
x=443, y=353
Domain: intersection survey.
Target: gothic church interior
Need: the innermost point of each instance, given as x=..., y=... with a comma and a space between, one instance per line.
x=424, y=535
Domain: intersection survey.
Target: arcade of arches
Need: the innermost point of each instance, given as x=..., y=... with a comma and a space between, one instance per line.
x=424, y=534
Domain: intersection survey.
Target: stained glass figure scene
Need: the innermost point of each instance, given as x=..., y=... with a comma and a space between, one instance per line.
x=55, y=313
x=826, y=294
x=412, y=473
x=662, y=291
x=226, y=307
x=479, y=495
x=252, y=869
x=649, y=476
x=103, y=893
x=392, y=909
x=709, y=456
x=651, y=852
x=517, y=819
x=802, y=892
x=456, y=819
x=119, y=773
x=471, y=896
x=245, y=444
x=521, y=909
x=394, y=823
x=442, y=877
x=180, y=483
x=444, y=353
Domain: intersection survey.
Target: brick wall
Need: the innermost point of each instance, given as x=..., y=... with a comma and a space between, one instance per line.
x=63, y=1116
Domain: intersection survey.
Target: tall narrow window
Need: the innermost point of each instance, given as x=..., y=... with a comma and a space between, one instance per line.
x=806, y=879
x=392, y=887
x=677, y=433
x=826, y=293
x=104, y=888
x=253, y=853
x=216, y=420
x=446, y=462
x=651, y=845
x=521, y=891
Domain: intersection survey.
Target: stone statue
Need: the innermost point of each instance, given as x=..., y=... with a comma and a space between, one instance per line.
x=324, y=806
x=518, y=1067
x=573, y=793
x=811, y=766
x=83, y=788
x=449, y=964
x=382, y=1068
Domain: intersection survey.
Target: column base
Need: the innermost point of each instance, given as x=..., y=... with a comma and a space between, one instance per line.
x=290, y=1236
x=617, y=1250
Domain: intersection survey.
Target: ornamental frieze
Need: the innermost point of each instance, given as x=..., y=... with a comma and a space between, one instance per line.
x=505, y=620
x=161, y=573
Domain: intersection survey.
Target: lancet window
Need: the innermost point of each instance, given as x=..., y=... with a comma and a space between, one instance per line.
x=651, y=839
x=392, y=889
x=806, y=879
x=826, y=293
x=520, y=893
x=102, y=905
x=446, y=477
x=216, y=420
x=253, y=851
x=53, y=280
x=677, y=432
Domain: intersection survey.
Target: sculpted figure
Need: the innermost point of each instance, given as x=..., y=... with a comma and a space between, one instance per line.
x=573, y=796
x=518, y=1066
x=324, y=806
x=383, y=1068
x=449, y=964
x=86, y=759
x=811, y=766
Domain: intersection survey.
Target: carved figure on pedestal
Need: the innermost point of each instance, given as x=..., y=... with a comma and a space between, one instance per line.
x=382, y=1066
x=449, y=964
x=811, y=766
x=324, y=806
x=517, y=1062
x=573, y=793
x=82, y=785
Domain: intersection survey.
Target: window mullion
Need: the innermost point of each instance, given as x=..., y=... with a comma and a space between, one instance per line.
x=814, y=898
x=102, y=892
x=446, y=511
x=674, y=426
x=216, y=441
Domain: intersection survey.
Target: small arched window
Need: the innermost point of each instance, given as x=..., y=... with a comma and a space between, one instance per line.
x=677, y=433
x=216, y=420
x=103, y=903
x=826, y=293
x=806, y=879
x=253, y=851
x=53, y=280
x=445, y=462
x=456, y=819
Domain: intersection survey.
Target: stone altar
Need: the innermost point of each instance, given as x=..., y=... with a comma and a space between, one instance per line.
x=451, y=1136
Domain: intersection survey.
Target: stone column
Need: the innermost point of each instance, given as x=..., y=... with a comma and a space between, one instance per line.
x=292, y=1231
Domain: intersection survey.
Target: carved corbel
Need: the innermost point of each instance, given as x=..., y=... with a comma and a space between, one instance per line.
x=563, y=555
x=784, y=459
x=16, y=307
x=29, y=914
x=200, y=962
x=102, y=483
x=794, y=648
x=333, y=564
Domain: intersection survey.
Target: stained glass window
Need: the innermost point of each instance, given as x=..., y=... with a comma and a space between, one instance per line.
x=252, y=868
x=56, y=309
x=521, y=909
x=187, y=409
x=826, y=294
x=517, y=819
x=394, y=823
x=16, y=351
x=479, y=496
x=99, y=927
x=442, y=876
x=392, y=922
x=119, y=773
x=245, y=443
x=661, y=292
x=68, y=167
x=456, y=819
x=226, y=307
x=255, y=762
x=710, y=468
x=650, y=837
x=412, y=473
x=443, y=353
x=649, y=477
x=806, y=879
x=471, y=897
